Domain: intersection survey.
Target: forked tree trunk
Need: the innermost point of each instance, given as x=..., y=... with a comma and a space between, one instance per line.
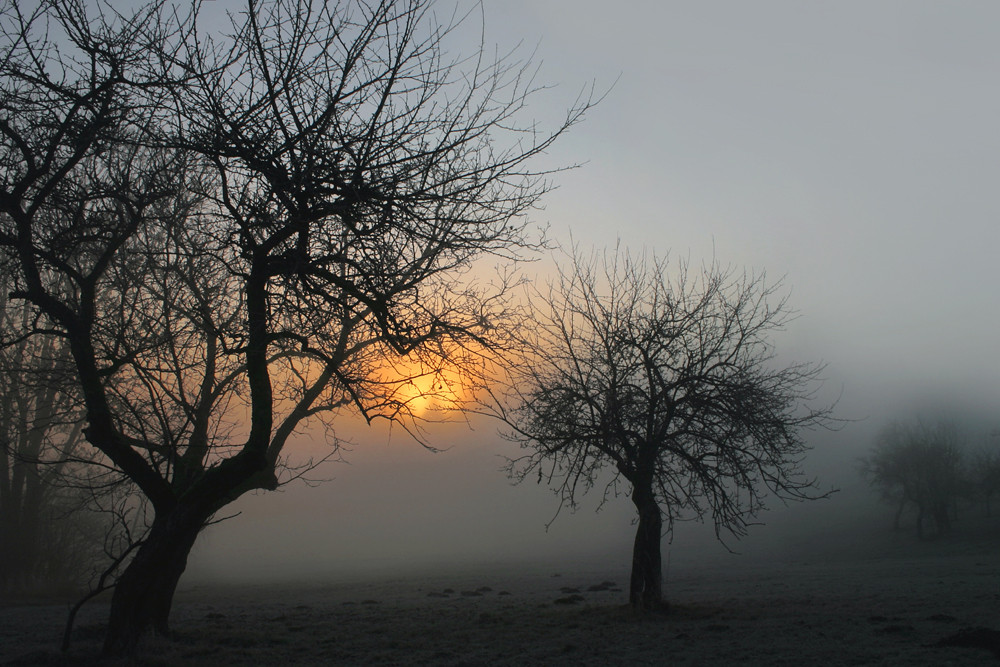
x=646, y=586
x=145, y=592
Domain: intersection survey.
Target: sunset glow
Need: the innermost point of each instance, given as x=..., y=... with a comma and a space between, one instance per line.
x=424, y=391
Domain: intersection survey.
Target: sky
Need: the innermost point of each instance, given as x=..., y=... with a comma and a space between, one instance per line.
x=851, y=147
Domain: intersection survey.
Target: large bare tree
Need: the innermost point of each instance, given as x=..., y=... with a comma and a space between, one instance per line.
x=239, y=230
x=664, y=382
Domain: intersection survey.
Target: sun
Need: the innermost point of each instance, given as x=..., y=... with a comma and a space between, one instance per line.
x=422, y=390
x=417, y=395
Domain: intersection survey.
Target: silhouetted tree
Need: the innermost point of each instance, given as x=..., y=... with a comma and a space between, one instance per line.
x=671, y=385
x=918, y=466
x=239, y=232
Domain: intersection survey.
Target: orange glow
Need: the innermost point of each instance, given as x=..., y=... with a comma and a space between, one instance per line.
x=426, y=391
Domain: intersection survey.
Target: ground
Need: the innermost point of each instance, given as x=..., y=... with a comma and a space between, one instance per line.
x=900, y=608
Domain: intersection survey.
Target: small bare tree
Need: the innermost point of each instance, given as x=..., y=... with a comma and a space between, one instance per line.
x=669, y=384
x=239, y=232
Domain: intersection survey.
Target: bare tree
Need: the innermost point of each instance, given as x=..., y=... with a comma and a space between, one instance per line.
x=667, y=386
x=917, y=466
x=252, y=228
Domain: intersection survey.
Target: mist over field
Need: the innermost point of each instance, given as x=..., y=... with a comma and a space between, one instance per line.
x=393, y=508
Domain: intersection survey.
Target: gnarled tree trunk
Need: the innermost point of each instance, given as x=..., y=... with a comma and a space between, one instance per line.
x=145, y=592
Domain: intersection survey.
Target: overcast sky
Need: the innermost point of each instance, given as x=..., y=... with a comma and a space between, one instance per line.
x=852, y=147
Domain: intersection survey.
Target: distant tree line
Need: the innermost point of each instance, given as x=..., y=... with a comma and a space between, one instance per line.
x=928, y=470
x=39, y=443
x=60, y=502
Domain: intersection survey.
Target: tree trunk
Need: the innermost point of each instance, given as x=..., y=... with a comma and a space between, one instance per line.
x=646, y=586
x=144, y=594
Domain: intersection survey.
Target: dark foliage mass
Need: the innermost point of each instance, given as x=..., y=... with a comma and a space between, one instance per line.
x=233, y=231
x=664, y=382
